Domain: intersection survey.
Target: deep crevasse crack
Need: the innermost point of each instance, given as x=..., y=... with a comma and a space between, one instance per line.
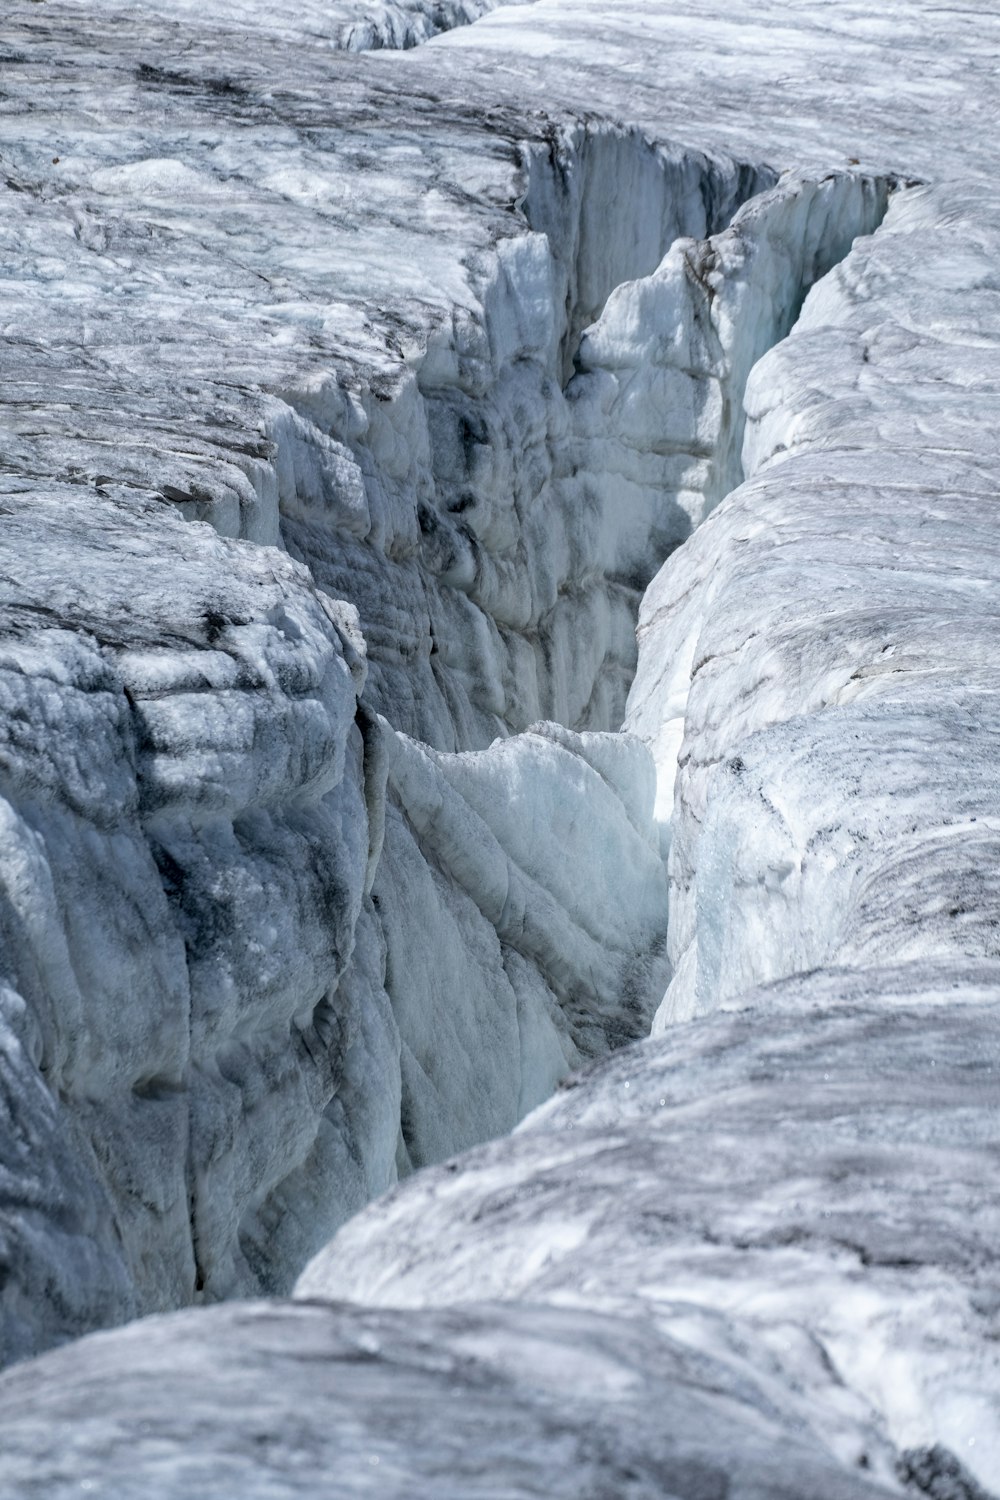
x=583, y=459
x=398, y=936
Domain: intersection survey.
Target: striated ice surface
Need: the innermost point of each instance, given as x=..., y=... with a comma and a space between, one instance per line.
x=354, y=409
x=223, y=959
x=371, y=944
x=836, y=797
x=483, y=1400
x=344, y=24
x=786, y=1188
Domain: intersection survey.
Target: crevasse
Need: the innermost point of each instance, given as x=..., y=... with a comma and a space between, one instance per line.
x=521, y=485
x=409, y=873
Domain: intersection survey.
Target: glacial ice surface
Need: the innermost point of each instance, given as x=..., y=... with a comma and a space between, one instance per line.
x=368, y=958
x=351, y=406
x=786, y=1188
x=487, y=1399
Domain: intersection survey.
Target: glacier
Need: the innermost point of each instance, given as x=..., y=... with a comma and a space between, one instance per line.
x=359, y=404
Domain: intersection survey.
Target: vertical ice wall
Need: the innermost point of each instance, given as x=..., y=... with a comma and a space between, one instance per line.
x=834, y=797
x=455, y=505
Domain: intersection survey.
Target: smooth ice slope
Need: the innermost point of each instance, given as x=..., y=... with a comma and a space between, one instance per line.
x=301, y=1399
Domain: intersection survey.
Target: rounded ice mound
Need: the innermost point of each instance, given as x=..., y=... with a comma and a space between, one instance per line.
x=287, y=1401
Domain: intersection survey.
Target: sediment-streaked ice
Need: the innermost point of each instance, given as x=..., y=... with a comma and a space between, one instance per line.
x=354, y=409
x=826, y=638
x=787, y=1188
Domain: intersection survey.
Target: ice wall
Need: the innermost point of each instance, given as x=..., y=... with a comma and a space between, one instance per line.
x=342, y=24
x=203, y=1064
x=844, y=811
x=184, y=855
x=495, y=566
x=496, y=515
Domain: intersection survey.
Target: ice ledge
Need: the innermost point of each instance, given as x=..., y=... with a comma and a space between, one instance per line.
x=834, y=798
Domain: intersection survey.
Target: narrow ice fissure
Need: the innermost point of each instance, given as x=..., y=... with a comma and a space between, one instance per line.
x=402, y=872
x=519, y=486
x=341, y=25
x=401, y=27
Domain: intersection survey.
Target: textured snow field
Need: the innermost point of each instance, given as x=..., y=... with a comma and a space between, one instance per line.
x=351, y=404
